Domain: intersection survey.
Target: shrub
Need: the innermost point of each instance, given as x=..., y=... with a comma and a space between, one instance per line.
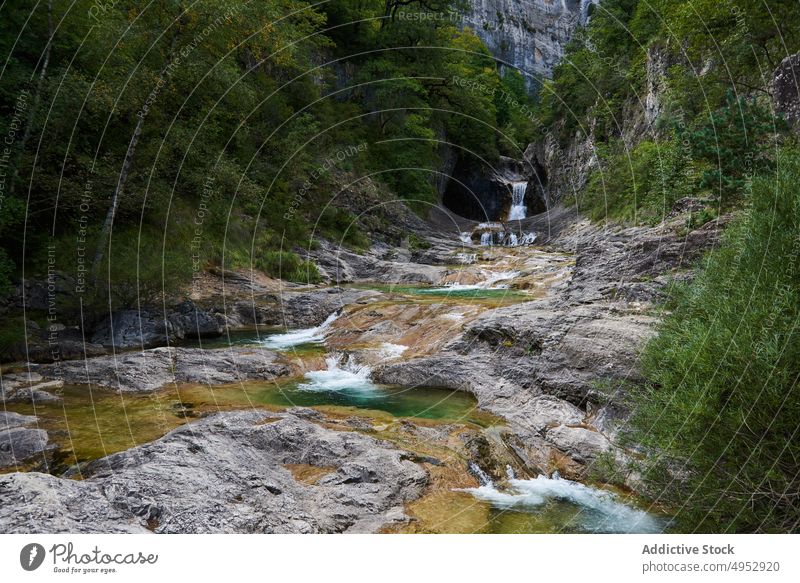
x=719, y=411
x=287, y=265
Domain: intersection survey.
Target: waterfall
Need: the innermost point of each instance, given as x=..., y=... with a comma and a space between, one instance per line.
x=341, y=374
x=304, y=336
x=491, y=281
x=512, y=240
x=466, y=238
x=486, y=239
x=518, y=209
x=528, y=239
x=482, y=477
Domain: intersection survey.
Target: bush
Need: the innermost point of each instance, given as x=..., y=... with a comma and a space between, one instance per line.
x=719, y=411
x=287, y=265
x=732, y=144
x=636, y=185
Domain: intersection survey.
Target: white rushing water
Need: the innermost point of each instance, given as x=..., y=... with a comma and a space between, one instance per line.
x=600, y=510
x=341, y=373
x=491, y=281
x=518, y=209
x=305, y=336
x=466, y=238
x=510, y=240
x=389, y=351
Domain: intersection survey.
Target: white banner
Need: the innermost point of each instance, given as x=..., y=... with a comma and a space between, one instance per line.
x=406, y=558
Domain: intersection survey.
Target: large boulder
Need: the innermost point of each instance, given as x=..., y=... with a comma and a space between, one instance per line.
x=193, y=322
x=134, y=329
x=18, y=442
x=146, y=328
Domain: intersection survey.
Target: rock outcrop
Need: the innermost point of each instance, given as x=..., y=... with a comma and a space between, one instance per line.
x=530, y=35
x=27, y=387
x=18, y=441
x=147, y=328
x=785, y=89
x=556, y=367
x=243, y=472
x=149, y=370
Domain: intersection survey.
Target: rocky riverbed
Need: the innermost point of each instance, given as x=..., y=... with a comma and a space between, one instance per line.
x=546, y=338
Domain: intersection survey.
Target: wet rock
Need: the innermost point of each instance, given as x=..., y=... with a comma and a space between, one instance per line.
x=380, y=264
x=18, y=442
x=224, y=473
x=9, y=419
x=146, y=328
x=28, y=388
x=150, y=370
x=133, y=329
x=194, y=323
x=556, y=368
x=292, y=309
x=581, y=444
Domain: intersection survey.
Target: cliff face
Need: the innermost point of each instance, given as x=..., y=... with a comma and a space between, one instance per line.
x=528, y=34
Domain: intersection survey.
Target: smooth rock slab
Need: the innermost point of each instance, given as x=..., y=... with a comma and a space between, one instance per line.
x=150, y=370
x=224, y=473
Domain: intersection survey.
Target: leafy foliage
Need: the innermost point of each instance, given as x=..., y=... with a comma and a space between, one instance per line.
x=168, y=137
x=719, y=414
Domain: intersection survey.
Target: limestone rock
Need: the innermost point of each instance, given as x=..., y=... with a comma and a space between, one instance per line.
x=18, y=442
x=786, y=89
x=224, y=473
x=150, y=370
x=529, y=36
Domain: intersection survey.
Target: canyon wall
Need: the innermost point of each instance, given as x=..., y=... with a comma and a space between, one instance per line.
x=527, y=34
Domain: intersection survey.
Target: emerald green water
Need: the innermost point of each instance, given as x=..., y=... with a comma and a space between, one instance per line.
x=253, y=337
x=420, y=403
x=92, y=423
x=244, y=337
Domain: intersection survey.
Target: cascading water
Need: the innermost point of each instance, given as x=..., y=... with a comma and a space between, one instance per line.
x=389, y=351
x=482, y=477
x=518, y=209
x=466, y=238
x=600, y=510
x=491, y=282
x=528, y=239
x=486, y=239
x=341, y=374
x=305, y=336
x=512, y=240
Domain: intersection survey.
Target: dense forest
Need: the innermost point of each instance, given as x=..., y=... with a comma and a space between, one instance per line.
x=143, y=142
x=151, y=139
